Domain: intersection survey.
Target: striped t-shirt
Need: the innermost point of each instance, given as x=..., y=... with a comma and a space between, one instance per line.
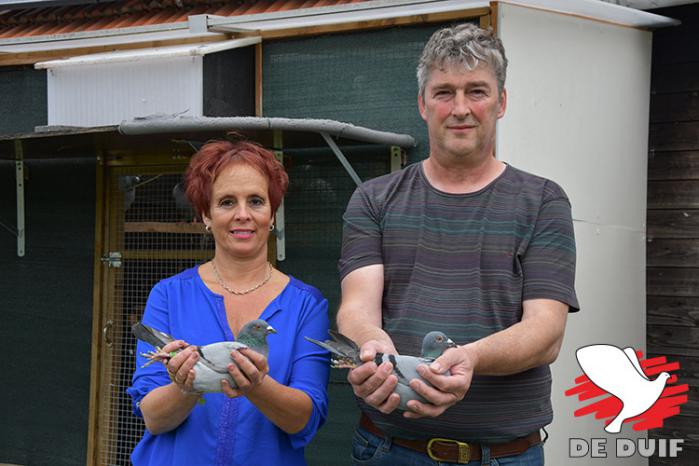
x=463, y=264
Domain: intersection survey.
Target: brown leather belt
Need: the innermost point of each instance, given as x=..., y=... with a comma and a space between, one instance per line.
x=454, y=451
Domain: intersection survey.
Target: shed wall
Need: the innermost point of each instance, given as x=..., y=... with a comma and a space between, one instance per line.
x=46, y=313
x=366, y=78
x=578, y=93
x=673, y=217
x=22, y=99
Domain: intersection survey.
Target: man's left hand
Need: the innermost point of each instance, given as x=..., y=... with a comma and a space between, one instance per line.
x=450, y=376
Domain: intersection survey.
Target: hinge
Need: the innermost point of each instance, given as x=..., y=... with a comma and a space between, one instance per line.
x=112, y=259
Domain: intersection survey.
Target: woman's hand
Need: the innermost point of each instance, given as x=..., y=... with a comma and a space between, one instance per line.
x=248, y=371
x=180, y=367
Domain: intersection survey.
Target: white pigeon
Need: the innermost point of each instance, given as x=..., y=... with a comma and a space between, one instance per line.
x=619, y=373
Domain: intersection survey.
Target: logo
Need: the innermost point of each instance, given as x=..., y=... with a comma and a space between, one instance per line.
x=623, y=389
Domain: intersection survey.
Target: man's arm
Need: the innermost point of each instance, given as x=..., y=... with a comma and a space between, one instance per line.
x=359, y=318
x=532, y=342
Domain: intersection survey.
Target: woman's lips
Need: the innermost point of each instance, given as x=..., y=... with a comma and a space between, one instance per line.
x=242, y=234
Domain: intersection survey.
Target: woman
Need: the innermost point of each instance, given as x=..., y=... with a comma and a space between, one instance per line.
x=279, y=403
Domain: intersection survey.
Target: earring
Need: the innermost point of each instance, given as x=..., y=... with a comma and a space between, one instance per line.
x=271, y=227
x=208, y=228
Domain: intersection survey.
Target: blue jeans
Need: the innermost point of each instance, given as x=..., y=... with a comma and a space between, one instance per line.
x=370, y=450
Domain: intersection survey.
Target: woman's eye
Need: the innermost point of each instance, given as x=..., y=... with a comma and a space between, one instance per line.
x=256, y=201
x=226, y=203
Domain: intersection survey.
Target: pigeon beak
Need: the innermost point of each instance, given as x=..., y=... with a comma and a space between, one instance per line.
x=450, y=343
x=270, y=329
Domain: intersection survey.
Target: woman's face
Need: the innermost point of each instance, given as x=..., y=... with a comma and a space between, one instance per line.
x=240, y=214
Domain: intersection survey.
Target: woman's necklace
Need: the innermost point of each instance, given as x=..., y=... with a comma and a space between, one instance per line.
x=249, y=290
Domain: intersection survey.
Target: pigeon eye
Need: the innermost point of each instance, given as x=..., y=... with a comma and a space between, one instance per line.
x=439, y=338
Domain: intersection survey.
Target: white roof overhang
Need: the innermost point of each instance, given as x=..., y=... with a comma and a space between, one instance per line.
x=378, y=10
x=145, y=54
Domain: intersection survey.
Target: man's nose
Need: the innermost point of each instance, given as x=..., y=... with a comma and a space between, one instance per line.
x=460, y=108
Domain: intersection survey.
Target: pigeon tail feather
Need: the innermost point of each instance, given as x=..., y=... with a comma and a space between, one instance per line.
x=614, y=427
x=153, y=337
x=344, y=342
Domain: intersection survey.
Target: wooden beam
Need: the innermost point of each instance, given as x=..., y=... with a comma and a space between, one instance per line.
x=673, y=281
x=164, y=227
x=681, y=135
x=173, y=254
x=673, y=223
x=97, y=294
x=671, y=310
x=493, y=17
x=674, y=194
x=679, y=165
x=673, y=253
x=258, y=79
x=374, y=24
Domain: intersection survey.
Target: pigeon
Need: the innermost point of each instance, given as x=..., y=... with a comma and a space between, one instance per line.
x=185, y=211
x=127, y=184
x=344, y=354
x=619, y=373
x=213, y=360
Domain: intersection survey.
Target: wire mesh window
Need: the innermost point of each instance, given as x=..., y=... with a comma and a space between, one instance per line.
x=156, y=234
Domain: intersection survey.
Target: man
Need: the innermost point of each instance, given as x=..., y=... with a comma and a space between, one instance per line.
x=466, y=244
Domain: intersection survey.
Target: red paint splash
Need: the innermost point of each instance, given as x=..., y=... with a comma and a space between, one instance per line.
x=607, y=408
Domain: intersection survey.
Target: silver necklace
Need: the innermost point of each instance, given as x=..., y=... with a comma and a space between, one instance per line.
x=249, y=290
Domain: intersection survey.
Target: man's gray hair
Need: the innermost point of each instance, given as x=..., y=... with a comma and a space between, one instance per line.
x=467, y=45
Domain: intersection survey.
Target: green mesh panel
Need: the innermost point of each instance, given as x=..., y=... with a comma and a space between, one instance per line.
x=364, y=78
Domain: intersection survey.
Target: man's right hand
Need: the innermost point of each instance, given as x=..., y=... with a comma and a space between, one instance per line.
x=375, y=384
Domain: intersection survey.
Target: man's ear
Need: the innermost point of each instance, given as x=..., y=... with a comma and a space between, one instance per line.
x=421, y=106
x=502, y=103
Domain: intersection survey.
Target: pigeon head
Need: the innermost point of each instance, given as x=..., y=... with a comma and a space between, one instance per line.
x=254, y=335
x=257, y=328
x=435, y=343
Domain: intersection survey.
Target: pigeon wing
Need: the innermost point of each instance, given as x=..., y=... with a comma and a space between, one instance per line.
x=631, y=354
x=217, y=356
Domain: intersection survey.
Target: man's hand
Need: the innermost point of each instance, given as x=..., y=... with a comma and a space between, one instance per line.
x=375, y=385
x=450, y=376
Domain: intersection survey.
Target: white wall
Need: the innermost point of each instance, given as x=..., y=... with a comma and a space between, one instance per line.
x=578, y=97
x=106, y=94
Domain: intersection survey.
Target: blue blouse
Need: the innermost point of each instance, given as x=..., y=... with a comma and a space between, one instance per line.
x=232, y=431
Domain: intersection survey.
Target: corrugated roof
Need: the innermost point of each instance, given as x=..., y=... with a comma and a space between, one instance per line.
x=30, y=22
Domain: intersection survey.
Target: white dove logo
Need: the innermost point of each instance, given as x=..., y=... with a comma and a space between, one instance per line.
x=619, y=373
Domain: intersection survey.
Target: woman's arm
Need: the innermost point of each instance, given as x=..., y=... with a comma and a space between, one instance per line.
x=166, y=407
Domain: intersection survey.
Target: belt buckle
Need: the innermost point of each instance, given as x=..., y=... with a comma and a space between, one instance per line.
x=464, y=450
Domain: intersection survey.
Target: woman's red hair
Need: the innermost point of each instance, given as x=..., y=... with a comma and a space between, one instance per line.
x=214, y=157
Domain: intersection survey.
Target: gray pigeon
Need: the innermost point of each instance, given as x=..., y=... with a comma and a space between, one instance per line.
x=185, y=211
x=127, y=184
x=214, y=358
x=344, y=354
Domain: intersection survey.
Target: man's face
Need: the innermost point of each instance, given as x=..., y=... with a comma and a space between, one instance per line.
x=461, y=108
